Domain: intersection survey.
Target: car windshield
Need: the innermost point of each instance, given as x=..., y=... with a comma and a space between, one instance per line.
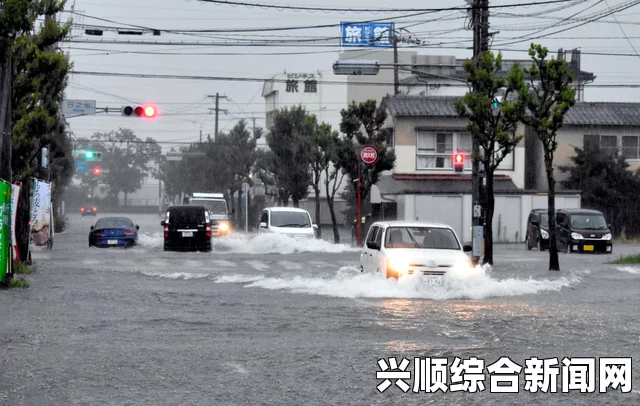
x=544, y=220
x=421, y=237
x=290, y=219
x=214, y=206
x=588, y=221
x=187, y=215
x=114, y=222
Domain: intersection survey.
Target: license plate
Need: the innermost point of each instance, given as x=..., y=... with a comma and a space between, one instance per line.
x=187, y=233
x=588, y=248
x=112, y=242
x=433, y=280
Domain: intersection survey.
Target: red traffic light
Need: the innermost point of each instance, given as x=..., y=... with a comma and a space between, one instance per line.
x=458, y=162
x=147, y=110
x=97, y=170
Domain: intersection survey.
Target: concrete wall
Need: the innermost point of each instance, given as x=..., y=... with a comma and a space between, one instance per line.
x=509, y=220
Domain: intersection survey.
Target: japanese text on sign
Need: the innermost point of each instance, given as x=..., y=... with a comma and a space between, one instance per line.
x=366, y=34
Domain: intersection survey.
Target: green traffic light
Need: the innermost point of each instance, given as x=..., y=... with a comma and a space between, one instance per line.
x=89, y=154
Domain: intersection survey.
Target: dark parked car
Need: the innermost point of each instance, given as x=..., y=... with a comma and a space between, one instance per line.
x=187, y=228
x=581, y=230
x=538, y=229
x=88, y=210
x=113, y=232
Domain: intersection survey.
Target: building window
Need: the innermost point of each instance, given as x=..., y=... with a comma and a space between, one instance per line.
x=630, y=147
x=609, y=144
x=435, y=149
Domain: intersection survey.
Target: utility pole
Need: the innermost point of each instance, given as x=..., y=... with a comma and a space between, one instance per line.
x=480, y=21
x=217, y=110
x=396, y=81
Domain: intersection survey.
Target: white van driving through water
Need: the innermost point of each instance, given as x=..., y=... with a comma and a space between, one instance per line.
x=216, y=205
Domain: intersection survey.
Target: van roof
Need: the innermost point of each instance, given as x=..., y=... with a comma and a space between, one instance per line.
x=581, y=211
x=208, y=195
x=287, y=209
x=185, y=207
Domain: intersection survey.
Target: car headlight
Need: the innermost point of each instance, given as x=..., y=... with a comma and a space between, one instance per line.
x=576, y=236
x=462, y=264
x=396, y=265
x=544, y=234
x=607, y=237
x=224, y=226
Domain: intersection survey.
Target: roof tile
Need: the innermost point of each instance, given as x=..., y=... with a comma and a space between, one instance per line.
x=584, y=113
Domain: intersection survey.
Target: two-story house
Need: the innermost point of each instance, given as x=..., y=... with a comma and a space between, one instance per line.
x=423, y=185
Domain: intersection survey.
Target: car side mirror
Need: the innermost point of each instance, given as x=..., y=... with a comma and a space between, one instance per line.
x=163, y=223
x=373, y=245
x=314, y=226
x=467, y=248
x=137, y=227
x=233, y=211
x=609, y=227
x=92, y=227
x=263, y=225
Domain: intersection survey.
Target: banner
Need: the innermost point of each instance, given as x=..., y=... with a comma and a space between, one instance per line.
x=41, y=215
x=15, y=196
x=5, y=229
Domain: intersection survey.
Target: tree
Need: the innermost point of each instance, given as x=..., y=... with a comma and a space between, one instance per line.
x=126, y=160
x=605, y=183
x=333, y=177
x=290, y=158
x=17, y=18
x=321, y=143
x=38, y=78
x=364, y=124
x=236, y=155
x=493, y=128
x=223, y=164
x=548, y=97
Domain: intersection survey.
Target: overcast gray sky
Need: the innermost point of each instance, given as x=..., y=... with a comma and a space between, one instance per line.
x=184, y=103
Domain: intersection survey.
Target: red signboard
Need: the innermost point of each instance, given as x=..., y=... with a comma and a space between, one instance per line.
x=368, y=154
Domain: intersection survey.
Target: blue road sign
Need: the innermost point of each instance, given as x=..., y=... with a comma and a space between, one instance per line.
x=81, y=166
x=376, y=35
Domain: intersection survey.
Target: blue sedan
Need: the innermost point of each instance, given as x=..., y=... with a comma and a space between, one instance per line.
x=113, y=232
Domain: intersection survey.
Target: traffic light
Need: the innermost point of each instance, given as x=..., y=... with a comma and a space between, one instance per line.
x=458, y=162
x=495, y=103
x=90, y=155
x=147, y=110
x=97, y=170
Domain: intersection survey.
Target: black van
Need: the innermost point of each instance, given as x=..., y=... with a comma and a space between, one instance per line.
x=538, y=229
x=187, y=228
x=581, y=230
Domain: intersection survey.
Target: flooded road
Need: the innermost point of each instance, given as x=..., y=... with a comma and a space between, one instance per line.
x=272, y=321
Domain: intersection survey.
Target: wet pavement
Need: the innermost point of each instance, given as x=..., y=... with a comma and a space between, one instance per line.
x=273, y=322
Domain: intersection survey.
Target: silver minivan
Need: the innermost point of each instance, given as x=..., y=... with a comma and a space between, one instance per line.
x=290, y=221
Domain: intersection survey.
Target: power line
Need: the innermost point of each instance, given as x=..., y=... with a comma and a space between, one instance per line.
x=236, y=79
x=372, y=10
x=259, y=29
x=623, y=32
x=618, y=8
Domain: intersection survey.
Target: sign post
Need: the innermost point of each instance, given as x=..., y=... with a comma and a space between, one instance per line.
x=369, y=155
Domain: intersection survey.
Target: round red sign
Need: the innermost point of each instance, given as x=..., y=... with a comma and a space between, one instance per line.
x=369, y=155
